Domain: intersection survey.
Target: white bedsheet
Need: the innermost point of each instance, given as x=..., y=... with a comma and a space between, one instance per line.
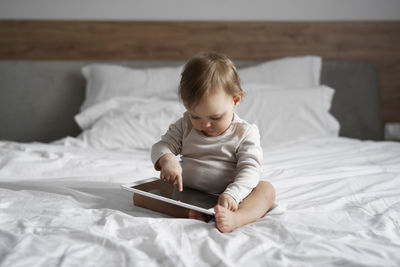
x=338, y=205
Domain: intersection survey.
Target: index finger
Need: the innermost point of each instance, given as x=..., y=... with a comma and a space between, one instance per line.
x=180, y=184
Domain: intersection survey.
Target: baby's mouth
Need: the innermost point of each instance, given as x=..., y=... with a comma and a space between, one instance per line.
x=207, y=133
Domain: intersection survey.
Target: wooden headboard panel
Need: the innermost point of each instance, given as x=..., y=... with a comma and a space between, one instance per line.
x=377, y=42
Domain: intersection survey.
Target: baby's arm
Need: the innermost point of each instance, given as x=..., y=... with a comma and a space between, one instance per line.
x=249, y=159
x=163, y=154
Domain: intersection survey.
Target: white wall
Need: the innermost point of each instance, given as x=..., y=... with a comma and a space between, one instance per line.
x=201, y=9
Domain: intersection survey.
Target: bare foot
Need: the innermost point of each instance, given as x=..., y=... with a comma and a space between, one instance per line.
x=226, y=220
x=199, y=216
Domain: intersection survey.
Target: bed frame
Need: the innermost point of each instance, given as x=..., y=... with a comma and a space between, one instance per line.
x=37, y=104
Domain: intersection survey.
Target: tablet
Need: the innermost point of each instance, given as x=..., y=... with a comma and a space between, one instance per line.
x=189, y=198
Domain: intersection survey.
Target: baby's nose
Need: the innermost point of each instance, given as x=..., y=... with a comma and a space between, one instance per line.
x=207, y=124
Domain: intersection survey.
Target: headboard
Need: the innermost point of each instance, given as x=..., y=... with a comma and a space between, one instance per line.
x=375, y=45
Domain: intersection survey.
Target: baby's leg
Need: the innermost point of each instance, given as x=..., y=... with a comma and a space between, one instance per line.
x=252, y=208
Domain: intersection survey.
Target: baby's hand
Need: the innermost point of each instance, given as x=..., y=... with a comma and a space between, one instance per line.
x=171, y=170
x=228, y=202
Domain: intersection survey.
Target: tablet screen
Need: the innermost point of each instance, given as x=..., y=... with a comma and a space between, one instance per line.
x=189, y=196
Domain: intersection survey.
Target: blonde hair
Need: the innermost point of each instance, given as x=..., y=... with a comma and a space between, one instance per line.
x=206, y=72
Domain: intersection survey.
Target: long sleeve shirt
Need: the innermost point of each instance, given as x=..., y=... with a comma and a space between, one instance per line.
x=229, y=163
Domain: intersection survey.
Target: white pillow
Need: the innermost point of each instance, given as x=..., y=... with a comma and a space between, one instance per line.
x=295, y=71
x=281, y=113
x=104, y=82
x=127, y=123
x=285, y=113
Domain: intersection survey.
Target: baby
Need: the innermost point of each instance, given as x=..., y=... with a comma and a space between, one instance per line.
x=220, y=153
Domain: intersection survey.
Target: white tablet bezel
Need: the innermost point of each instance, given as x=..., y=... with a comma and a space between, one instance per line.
x=130, y=188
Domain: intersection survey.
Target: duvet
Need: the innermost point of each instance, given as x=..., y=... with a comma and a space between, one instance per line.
x=338, y=204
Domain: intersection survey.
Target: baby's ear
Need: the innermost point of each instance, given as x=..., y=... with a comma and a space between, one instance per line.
x=236, y=100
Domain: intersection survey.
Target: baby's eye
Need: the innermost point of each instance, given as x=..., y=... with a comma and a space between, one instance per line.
x=216, y=118
x=195, y=118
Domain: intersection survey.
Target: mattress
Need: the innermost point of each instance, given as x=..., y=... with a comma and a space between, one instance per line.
x=338, y=204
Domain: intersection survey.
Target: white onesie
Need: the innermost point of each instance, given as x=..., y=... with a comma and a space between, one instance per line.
x=229, y=163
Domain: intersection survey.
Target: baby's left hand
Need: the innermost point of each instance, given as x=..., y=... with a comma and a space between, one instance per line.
x=228, y=202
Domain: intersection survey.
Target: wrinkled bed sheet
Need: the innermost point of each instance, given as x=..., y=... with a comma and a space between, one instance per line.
x=338, y=204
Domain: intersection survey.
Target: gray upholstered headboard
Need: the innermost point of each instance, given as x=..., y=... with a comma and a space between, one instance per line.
x=38, y=99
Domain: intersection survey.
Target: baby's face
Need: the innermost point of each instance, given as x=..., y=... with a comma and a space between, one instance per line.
x=214, y=113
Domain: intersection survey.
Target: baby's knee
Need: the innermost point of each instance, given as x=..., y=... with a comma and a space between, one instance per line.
x=267, y=190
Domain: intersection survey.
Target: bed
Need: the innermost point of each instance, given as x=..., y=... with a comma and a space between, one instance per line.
x=73, y=131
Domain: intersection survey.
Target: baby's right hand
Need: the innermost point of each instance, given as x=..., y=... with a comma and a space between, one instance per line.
x=171, y=170
x=228, y=202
